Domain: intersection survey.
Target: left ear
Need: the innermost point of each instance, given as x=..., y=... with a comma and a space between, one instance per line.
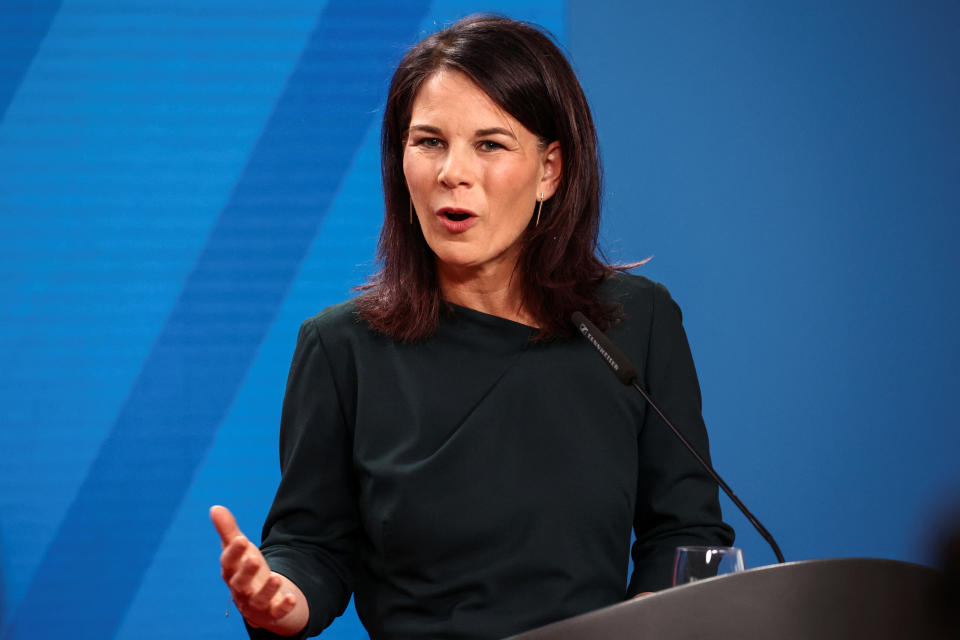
x=552, y=163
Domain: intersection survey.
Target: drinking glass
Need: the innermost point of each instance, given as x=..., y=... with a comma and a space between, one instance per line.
x=696, y=563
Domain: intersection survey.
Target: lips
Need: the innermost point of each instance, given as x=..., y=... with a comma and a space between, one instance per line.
x=456, y=220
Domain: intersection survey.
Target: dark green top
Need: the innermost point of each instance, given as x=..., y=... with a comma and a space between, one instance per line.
x=479, y=484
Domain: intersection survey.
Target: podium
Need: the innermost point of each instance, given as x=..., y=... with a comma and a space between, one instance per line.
x=846, y=599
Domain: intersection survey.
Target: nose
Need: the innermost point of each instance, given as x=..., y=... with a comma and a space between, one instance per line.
x=456, y=169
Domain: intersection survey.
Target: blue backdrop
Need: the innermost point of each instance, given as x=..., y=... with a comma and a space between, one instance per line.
x=181, y=184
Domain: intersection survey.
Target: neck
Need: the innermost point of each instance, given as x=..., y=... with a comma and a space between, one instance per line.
x=495, y=291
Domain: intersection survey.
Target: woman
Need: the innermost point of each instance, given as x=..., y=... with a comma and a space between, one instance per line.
x=450, y=452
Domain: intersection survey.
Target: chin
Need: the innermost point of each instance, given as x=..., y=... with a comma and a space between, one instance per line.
x=454, y=256
x=456, y=262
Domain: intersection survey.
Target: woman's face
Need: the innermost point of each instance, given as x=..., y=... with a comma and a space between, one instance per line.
x=474, y=174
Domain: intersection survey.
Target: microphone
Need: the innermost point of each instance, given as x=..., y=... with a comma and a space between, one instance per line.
x=627, y=374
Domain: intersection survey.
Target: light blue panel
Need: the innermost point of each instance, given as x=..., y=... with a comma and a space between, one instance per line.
x=241, y=470
x=23, y=26
x=793, y=168
x=119, y=149
x=218, y=322
x=552, y=16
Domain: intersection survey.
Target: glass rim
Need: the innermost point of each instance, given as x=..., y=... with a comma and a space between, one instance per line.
x=707, y=548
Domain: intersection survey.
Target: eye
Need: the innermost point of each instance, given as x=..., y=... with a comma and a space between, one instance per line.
x=428, y=143
x=490, y=145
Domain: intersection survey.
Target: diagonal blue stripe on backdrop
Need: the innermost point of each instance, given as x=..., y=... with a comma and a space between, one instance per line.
x=92, y=569
x=23, y=26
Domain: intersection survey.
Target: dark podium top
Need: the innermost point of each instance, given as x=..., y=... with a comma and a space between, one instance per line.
x=811, y=600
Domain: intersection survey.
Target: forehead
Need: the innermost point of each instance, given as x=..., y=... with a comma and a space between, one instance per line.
x=451, y=95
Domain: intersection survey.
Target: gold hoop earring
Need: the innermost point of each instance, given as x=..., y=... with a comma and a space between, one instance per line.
x=539, y=208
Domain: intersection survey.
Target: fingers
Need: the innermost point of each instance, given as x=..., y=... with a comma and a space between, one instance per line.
x=285, y=605
x=266, y=605
x=243, y=581
x=261, y=600
x=232, y=557
x=243, y=567
x=225, y=524
x=251, y=583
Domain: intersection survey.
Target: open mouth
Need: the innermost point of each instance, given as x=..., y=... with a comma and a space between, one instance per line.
x=456, y=220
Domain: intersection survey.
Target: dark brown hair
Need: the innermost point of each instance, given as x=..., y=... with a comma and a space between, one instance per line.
x=524, y=72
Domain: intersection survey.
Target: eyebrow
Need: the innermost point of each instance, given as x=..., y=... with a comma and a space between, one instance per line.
x=487, y=132
x=480, y=133
x=426, y=128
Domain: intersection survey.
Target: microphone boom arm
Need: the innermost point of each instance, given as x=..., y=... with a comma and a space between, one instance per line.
x=627, y=373
x=762, y=530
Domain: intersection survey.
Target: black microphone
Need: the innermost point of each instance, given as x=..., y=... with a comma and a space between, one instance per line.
x=627, y=374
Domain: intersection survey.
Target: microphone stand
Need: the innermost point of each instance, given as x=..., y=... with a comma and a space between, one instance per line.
x=713, y=474
x=627, y=374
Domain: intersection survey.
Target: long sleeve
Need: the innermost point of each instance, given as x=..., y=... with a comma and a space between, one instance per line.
x=310, y=532
x=677, y=501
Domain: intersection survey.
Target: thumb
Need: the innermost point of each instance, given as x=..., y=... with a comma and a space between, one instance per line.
x=225, y=523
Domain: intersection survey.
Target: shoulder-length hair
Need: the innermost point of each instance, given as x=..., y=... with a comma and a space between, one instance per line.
x=523, y=72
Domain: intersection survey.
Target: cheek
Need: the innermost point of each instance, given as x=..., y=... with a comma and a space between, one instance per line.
x=416, y=170
x=514, y=180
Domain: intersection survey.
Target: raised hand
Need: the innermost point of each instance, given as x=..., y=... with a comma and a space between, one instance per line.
x=265, y=598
